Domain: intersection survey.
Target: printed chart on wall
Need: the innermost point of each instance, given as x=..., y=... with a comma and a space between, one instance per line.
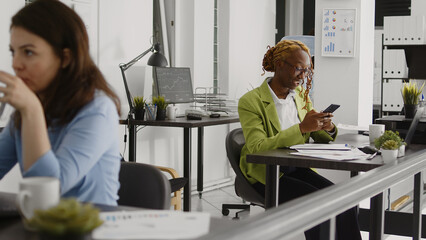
x=338, y=32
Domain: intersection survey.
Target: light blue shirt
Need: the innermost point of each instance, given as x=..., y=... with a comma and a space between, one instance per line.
x=85, y=154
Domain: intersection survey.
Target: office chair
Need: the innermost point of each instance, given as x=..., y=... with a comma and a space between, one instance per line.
x=176, y=184
x=234, y=143
x=143, y=185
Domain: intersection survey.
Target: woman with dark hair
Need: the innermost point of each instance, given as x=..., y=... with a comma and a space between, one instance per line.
x=279, y=114
x=66, y=119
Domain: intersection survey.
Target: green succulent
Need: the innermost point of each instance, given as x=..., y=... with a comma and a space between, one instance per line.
x=69, y=217
x=411, y=93
x=390, y=145
x=139, y=102
x=160, y=102
x=388, y=135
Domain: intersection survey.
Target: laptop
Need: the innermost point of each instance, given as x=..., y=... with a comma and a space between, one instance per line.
x=413, y=126
x=8, y=208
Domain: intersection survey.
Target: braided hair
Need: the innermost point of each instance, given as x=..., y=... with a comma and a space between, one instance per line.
x=283, y=50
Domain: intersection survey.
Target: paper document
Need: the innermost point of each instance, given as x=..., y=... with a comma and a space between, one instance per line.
x=316, y=146
x=152, y=224
x=352, y=154
x=352, y=127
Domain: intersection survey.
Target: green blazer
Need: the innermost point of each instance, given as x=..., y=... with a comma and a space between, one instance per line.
x=262, y=129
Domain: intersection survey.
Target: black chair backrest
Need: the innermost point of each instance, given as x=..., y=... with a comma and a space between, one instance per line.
x=143, y=185
x=234, y=143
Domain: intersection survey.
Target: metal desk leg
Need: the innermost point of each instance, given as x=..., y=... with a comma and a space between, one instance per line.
x=376, y=217
x=132, y=141
x=271, y=186
x=187, y=168
x=200, y=161
x=417, y=206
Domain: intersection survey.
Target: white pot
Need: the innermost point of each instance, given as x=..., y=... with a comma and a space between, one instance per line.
x=389, y=155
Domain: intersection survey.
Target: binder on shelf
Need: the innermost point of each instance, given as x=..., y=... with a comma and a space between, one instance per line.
x=392, y=99
x=394, y=64
x=407, y=30
x=420, y=30
x=386, y=64
x=398, y=29
x=386, y=30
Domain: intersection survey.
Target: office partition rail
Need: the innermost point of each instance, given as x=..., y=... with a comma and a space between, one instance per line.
x=296, y=216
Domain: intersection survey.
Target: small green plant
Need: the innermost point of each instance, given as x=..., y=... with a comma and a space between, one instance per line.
x=160, y=102
x=390, y=145
x=411, y=93
x=139, y=102
x=388, y=135
x=69, y=217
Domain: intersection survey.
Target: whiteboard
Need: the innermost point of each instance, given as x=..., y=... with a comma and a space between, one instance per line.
x=338, y=32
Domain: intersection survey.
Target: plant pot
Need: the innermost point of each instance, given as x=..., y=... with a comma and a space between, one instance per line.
x=410, y=110
x=389, y=155
x=161, y=114
x=139, y=114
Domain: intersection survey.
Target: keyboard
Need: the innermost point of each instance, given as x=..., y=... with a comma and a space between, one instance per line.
x=198, y=112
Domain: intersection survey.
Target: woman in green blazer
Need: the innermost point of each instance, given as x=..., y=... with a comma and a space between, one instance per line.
x=279, y=114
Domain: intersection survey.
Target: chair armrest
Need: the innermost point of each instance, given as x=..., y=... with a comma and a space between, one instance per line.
x=170, y=171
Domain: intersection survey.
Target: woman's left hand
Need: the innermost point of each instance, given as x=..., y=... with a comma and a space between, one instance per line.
x=327, y=124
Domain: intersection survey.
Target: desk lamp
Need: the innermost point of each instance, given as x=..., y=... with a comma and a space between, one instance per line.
x=156, y=60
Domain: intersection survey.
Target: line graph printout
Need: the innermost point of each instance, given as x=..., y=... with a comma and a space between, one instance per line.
x=338, y=32
x=174, y=84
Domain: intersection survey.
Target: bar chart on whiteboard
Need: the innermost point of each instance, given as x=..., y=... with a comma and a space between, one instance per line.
x=338, y=32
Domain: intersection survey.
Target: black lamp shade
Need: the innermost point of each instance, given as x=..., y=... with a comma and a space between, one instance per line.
x=157, y=60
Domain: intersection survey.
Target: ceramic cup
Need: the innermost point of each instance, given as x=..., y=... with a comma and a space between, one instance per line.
x=171, y=112
x=37, y=193
x=375, y=131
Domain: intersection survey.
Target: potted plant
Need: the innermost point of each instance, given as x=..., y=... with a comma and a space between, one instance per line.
x=68, y=220
x=389, y=150
x=139, y=106
x=394, y=136
x=161, y=104
x=410, y=95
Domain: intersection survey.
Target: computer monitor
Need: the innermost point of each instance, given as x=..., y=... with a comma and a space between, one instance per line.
x=174, y=84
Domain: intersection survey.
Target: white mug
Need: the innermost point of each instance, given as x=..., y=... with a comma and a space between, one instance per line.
x=37, y=193
x=375, y=131
x=171, y=112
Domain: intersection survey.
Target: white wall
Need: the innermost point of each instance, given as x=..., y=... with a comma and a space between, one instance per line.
x=347, y=81
x=250, y=32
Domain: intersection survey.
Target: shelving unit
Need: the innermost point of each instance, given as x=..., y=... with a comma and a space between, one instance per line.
x=415, y=56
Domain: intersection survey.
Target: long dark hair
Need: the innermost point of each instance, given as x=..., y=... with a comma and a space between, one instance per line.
x=75, y=85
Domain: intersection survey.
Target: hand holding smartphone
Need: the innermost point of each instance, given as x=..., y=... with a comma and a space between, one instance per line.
x=331, y=108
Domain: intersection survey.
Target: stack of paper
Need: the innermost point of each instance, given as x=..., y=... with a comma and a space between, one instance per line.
x=152, y=224
x=329, y=151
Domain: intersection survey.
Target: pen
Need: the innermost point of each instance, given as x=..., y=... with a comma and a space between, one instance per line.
x=372, y=156
x=149, y=111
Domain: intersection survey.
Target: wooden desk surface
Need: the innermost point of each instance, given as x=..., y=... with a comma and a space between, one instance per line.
x=284, y=158
x=183, y=122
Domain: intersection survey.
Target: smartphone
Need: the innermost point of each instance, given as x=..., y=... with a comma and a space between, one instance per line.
x=331, y=108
